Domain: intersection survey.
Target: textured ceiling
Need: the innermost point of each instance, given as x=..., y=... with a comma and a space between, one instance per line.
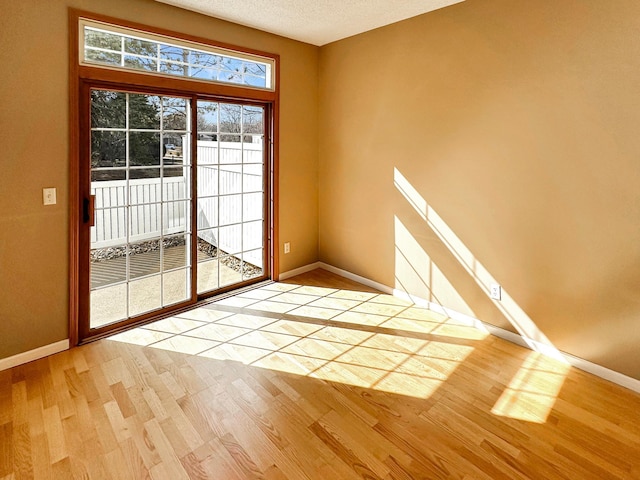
x=316, y=22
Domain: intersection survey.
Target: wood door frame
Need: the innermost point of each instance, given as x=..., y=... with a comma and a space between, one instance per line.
x=83, y=77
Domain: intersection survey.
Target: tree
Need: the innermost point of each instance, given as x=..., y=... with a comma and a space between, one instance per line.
x=239, y=119
x=109, y=111
x=117, y=110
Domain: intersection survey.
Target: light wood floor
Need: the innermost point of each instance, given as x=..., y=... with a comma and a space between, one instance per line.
x=315, y=378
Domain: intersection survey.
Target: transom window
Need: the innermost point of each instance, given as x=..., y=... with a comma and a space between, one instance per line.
x=123, y=48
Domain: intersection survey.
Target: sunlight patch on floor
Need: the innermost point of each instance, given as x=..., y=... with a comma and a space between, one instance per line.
x=372, y=340
x=533, y=391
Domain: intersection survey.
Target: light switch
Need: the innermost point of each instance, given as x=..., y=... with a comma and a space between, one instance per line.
x=49, y=196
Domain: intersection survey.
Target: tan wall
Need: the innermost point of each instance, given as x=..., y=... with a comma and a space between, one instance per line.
x=34, y=137
x=514, y=123
x=517, y=123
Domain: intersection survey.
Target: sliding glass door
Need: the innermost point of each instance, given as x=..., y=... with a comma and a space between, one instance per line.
x=231, y=189
x=174, y=203
x=140, y=169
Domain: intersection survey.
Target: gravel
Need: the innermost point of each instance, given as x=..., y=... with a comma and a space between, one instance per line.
x=246, y=269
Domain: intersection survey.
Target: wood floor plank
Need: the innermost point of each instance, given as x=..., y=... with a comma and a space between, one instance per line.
x=362, y=447
x=6, y=449
x=170, y=466
x=352, y=384
x=333, y=441
x=221, y=464
x=22, y=452
x=42, y=465
x=240, y=456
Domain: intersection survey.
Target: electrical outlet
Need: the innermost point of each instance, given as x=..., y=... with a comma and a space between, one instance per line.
x=495, y=291
x=287, y=247
x=48, y=196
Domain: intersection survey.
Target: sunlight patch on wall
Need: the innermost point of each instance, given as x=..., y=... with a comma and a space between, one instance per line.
x=534, y=389
x=415, y=272
x=529, y=331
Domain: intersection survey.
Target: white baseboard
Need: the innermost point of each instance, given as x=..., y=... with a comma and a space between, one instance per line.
x=580, y=363
x=603, y=372
x=356, y=278
x=35, y=354
x=299, y=271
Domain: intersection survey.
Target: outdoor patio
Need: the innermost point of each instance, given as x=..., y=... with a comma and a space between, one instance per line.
x=151, y=287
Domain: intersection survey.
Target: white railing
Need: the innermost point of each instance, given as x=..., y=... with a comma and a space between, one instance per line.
x=158, y=206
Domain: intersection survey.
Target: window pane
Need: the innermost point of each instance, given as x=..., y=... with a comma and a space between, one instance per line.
x=175, y=286
x=144, y=295
x=255, y=69
x=207, y=244
x=252, y=206
x=230, y=179
x=108, y=305
x=173, y=172
x=230, y=209
x=175, y=217
x=175, y=252
x=230, y=77
x=98, y=56
x=255, y=81
x=140, y=63
x=138, y=173
x=207, y=213
x=100, y=175
x=174, y=68
x=140, y=47
x=252, y=178
x=253, y=259
x=204, y=73
x=230, y=239
x=207, y=181
x=175, y=184
x=252, y=235
x=144, y=111
x=144, y=192
x=230, y=118
x=207, y=117
x=110, y=226
x=144, y=148
x=231, y=65
x=172, y=149
x=230, y=270
x=230, y=149
x=205, y=59
x=144, y=258
x=108, y=149
x=95, y=38
x=178, y=54
x=108, y=109
x=144, y=221
x=174, y=113
x=108, y=269
x=252, y=120
x=208, y=275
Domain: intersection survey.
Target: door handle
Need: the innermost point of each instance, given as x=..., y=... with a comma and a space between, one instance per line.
x=88, y=209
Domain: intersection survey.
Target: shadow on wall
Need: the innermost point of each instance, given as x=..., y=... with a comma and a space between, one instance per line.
x=417, y=274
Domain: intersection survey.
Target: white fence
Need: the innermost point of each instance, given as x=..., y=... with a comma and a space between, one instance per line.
x=229, y=208
x=147, y=217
